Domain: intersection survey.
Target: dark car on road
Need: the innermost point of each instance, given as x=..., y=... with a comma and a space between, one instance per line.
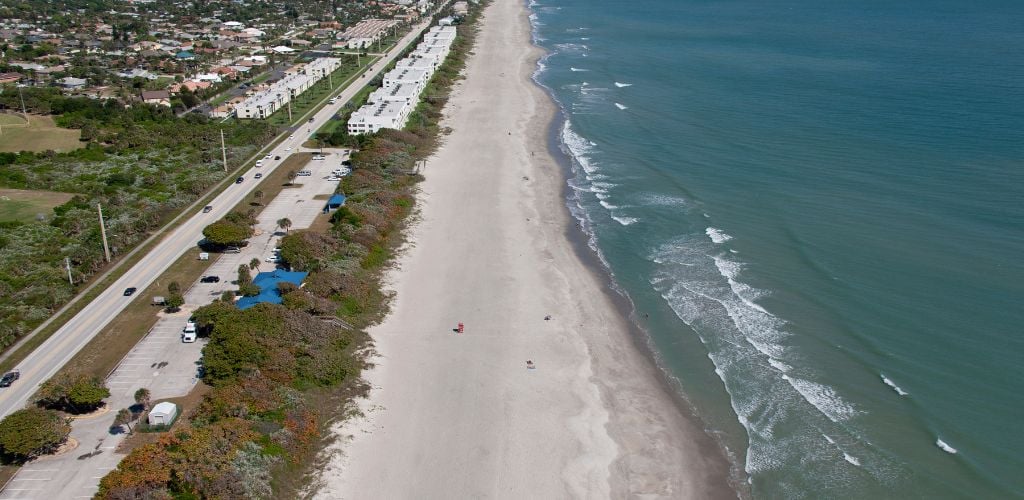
x=129, y=291
x=258, y=176
x=207, y=209
x=210, y=279
x=239, y=180
x=9, y=378
x=277, y=157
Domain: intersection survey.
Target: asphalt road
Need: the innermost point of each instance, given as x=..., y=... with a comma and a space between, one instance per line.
x=48, y=358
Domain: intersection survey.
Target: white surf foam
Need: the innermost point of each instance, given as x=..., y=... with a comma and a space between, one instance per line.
x=830, y=440
x=779, y=365
x=620, y=106
x=895, y=387
x=824, y=398
x=578, y=147
x=607, y=205
x=620, y=85
x=945, y=447
x=625, y=221
x=717, y=235
x=577, y=69
x=852, y=459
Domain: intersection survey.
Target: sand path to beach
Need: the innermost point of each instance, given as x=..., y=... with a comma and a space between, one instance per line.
x=461, y=416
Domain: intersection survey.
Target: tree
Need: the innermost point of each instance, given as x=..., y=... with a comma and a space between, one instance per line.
x=284, y=223
x=244, y=277
x=227, y=233
x=142, y=398
x=174, y=302
x=258, y=196
x=73, y=392
x=291, y=176
x=124, y=418
x=227, y=296
x=173, y=287
x=33, y=431
x=254, y=263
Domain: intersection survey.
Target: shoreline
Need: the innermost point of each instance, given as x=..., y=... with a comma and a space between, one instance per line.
x=637, y=335
x=459, y=415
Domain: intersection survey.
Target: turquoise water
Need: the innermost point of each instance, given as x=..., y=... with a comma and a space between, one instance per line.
x=817, y=210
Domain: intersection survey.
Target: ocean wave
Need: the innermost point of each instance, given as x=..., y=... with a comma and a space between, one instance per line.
x=895, y=387
x=852, y=459
x=607, y=205
x=625, y=221
x=620, y=85
x=577, y=69
x=792, y=419
x=620, y=106
x=664, y=200
x=578, y=147
x=945, y=447
x=824, y=398
x=717, y=235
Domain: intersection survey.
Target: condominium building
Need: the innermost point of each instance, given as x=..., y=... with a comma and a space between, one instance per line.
x=373, y=117
x=265, y=102
x=408, y=94
x=406, y=76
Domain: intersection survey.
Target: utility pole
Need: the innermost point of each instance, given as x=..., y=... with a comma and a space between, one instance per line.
x=103, y=233
x=67, y=262
x=289, y=110
x=223, y=151
x=22, y=96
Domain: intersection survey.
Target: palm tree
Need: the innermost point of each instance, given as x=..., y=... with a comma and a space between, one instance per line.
x=142, y=398
x=284, y=223
x=291, y=176
x=124, y=418
x=254, y=263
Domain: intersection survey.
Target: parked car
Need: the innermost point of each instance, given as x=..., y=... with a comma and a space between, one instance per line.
x=239, y=180
x=232, y=250
x=273, y=258
x=318, y=157
x=128, y=292
x=210, y=279
x=333, y=179
x=207, y=209
x=9, y=378
x=304, y=173
x=258, y=176
x=288, y=148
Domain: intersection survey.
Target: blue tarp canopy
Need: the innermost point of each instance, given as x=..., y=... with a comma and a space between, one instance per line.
x=268, y=287
x=335, y=201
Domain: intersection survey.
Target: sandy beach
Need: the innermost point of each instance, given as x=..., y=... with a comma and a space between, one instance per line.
x=461, y=415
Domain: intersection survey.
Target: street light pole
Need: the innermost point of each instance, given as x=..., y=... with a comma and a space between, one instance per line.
x=223, y=151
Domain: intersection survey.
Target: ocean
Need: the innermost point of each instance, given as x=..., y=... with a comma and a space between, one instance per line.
x=816, y=210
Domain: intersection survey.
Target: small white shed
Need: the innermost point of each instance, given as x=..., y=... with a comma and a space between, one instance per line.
x=163, y=413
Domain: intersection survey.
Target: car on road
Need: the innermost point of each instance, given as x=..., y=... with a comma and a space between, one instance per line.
x=239, y=180
x=207, y=209
x=128, y=292
x=288, y=148
x=210, y=279
x=269, y=156
x=277, y=157
x=291, y=136
x=9, y=378
x=311, y=120
x=259, y=163
x=318, y=157
x=333, y=179
x=258, y=176
x=304, y=173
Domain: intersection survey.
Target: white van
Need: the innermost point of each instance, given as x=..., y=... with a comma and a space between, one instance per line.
x=188, y=335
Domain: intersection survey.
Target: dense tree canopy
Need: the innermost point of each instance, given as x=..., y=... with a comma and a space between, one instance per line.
x=31, y=432
x=73, y=392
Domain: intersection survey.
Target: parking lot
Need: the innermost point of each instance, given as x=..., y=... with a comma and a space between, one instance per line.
x=161, y=362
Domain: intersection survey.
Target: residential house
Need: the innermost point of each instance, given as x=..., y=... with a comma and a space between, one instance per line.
x=158, y=97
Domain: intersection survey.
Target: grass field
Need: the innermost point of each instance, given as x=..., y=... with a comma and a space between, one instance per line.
x=39, y=134
x=24, y=206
